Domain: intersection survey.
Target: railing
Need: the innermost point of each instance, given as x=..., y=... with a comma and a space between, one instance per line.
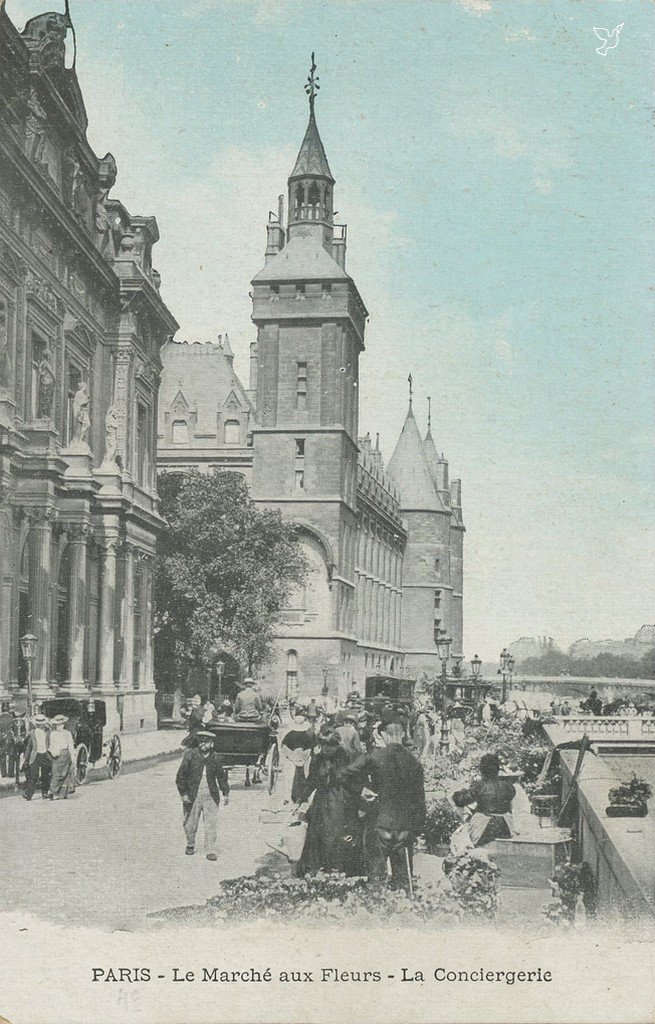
x=607, y=726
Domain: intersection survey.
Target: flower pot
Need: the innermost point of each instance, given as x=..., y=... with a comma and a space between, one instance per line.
x=626, y=811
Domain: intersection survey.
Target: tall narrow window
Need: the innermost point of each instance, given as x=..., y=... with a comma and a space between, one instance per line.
x=39, y=352
x=292, y=674
x=300, y=447
x=137, y=618
x=231, y=432
x=73, y=381
x=300, y=479
x=301, y=385
x=142, y=442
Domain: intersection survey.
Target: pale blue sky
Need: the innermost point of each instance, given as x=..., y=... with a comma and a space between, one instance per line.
x=495, y=173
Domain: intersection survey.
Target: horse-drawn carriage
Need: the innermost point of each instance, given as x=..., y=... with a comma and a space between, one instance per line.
x=249, y=745
x=95, y=746
x=389, y=689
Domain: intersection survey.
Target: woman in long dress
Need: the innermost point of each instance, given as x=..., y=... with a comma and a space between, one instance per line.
x=62, y=751
x=333, y=837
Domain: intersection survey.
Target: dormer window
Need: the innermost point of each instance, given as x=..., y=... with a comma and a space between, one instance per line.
x=180, y=432
x=232, y=432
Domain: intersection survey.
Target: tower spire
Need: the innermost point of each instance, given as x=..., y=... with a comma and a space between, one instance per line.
x=410, y=381
x=312, y=86
x=429, y=414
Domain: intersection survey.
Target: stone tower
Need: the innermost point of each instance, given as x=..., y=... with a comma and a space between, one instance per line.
x=310, y=323
x=429, y=602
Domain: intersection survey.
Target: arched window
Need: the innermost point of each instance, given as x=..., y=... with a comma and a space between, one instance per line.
x=292, y=674
x=180, y=432
x=300, y=200
x=314, y=199
x=231, y=432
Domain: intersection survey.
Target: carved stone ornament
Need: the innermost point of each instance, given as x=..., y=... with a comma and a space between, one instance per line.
x=46, y=37
x=81, y=418
x=113, y=421
x=45, y=387
x=5, y=358
x=41, y=291
x=35, y=133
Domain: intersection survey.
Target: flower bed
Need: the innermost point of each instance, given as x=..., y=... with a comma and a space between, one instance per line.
x=470, y=891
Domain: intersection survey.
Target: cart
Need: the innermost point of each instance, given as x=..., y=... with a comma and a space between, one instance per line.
x=253, y=745
x=95, y=747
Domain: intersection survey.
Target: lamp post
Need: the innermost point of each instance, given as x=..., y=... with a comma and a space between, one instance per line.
x=324, y=689
x=476, y=665
x=506, y=668
x=443, y=642
x=28, y=648
x=220, y=668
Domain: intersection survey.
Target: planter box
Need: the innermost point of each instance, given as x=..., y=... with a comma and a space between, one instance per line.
x=527, y=863
x=626, y=811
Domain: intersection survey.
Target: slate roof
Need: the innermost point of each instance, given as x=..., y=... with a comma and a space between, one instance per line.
x=302, y=259
x=311, y=159
x=410, y=470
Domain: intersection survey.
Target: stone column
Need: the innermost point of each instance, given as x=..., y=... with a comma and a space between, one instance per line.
x=107, y=602
x=148, y=678
x=41, y=520
x=128, y=616
x=8, y=570
x=78, y=536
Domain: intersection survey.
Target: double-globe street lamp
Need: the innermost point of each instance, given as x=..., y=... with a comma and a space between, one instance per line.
x=28, y=649
x=506, y=669
x=443, y=642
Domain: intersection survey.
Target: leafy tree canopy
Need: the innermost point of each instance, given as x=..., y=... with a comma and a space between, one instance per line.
x=603, y=665
x=224, y=569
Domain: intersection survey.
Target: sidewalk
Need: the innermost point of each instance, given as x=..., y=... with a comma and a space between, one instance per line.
x=157, y=745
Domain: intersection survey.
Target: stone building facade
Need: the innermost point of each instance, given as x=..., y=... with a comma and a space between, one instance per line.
x=385, y=546
x=81, y=327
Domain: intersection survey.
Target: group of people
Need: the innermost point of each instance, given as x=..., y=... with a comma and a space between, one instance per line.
x=43, y=748
x=248, y=706
x=359, y=786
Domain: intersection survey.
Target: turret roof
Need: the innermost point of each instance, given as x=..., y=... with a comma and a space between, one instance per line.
x=311, y=160
x=431, y=457
x=410, y=470
x=302, y=259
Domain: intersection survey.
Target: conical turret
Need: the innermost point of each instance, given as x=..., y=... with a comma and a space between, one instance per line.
x=311, y=183
x=411, y=471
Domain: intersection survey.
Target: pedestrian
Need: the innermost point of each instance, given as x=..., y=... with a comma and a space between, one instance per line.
x=333, y=837
x=421, y=733
x=37, y=760
x=61, y=750
x=492, y=797
x=297, y=748
x=194, y=720
x=390, y=780
x=248, y=706
x=566, y=709
x=200, y=780
x=6, y=723
x=225, y=712
x=347, y=735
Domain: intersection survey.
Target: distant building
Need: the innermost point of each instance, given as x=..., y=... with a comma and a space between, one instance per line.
x=632, y=647
x=81, y=325
x=385, y=546
x=532, y=647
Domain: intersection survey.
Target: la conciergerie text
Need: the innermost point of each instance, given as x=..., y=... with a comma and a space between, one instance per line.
x=141, y=975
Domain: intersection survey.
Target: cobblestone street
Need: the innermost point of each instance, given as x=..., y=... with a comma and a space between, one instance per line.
x=114, y=852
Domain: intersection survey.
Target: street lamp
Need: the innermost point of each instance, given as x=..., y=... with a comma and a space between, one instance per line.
x=220, y=668
x=443, y=642
x=324, y=690
x=476, y=665
x=506, y=668
x=28, y=649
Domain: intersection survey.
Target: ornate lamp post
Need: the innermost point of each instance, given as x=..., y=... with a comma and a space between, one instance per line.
x=476, y=665
x=28, y=648
x=220, y=668
x=324, y=688
x=443, y=642
x=506, y=668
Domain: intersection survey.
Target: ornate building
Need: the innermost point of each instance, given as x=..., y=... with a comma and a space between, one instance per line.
x=385, y=547
x=81, y=326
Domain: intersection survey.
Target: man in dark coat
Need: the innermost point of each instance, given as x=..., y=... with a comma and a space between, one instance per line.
x=201, y=778
x=391, y=781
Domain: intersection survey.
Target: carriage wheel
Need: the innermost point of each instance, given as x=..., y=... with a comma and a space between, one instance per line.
x=273, y=766
x=114, y=757
x=81, y=764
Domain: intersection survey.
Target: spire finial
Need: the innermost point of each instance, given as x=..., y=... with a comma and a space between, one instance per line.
x=429, y=413
x=410, y=381
x=312, y=86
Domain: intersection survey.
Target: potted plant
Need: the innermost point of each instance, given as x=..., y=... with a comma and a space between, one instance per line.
x=441, y=821
x=629, y=800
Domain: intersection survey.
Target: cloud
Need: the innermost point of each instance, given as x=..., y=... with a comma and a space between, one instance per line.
x=477, y=7
x=519, y=35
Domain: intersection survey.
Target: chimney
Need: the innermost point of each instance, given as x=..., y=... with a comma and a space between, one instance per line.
x=275, y=231
x=339, y=244
x=253, y=367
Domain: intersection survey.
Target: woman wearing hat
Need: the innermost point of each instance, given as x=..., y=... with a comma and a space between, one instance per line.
x=37, y=761
x=62, y=751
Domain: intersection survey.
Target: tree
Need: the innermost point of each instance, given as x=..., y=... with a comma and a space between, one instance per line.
x=223, y=571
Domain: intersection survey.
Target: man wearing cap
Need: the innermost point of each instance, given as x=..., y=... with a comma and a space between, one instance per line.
x=248, y=706
x=201, y=778
x=37, y=760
